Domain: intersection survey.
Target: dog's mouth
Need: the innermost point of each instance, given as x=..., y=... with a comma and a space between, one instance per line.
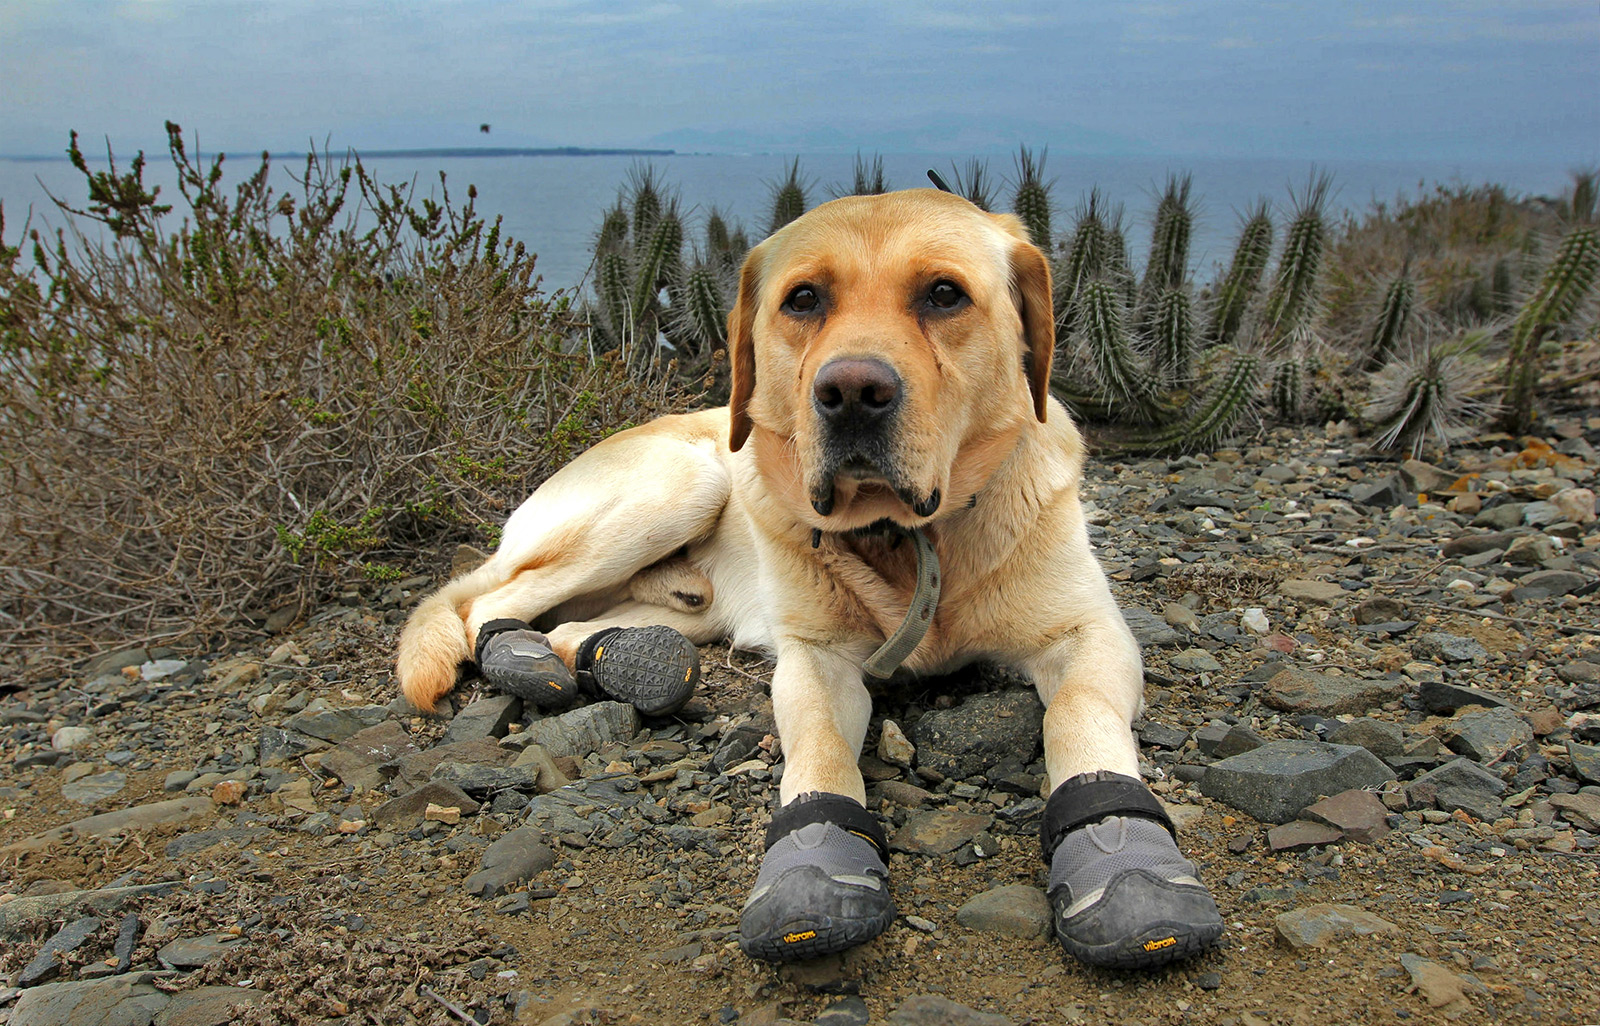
x=863, y=485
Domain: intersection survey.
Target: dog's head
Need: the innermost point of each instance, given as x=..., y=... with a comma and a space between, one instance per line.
x=887, y=353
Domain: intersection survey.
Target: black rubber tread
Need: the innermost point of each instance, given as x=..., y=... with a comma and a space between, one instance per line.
x=534, y=687
x=789, y=941
x=1155, y=943
x=654, y=669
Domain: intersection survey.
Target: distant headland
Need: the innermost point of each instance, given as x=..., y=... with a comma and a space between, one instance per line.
x=442, y=151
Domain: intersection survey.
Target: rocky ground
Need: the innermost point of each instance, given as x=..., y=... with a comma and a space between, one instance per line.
x=1374, y=711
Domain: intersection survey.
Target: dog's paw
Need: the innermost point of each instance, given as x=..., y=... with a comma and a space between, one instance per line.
x=822, y=888
x=1126, y=898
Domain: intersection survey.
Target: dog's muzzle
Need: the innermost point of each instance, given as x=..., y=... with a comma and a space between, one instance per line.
x=857, y=403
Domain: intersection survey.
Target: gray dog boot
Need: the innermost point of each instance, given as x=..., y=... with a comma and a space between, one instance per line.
x=1124, y=896
x=824, y=882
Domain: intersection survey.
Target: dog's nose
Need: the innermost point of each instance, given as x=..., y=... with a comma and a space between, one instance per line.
x=855, y=391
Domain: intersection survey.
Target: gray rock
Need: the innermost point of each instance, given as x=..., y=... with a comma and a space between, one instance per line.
x=936, y=1010
x=1195, y=660
x=177, y=780
x=114, y=1001
x=208, y=1006
x=357, y=759
x=514, y=858
x=406, y=811
x=894, y=747
x=739, y=742
x=1461, y=784
x=22, y=916
x=47, y=962
x=1379, y=610
x=1300, y=834
x=1581, y=809
x=1543, y=584
x=1238, y=740
x=584, y=730
x=489, y=716
x=1585, y=761
x=1275, y=782
x=846, y=1011
x=115, y=662
x=1321, y=926
x=127, y=937
x=1533, y=550
x=1015, y=910
x=977, y=734
x=934, y=833
x=139, y=817
x=1450, y=648
x=1579, y=671
x=1502, y=517
x=1305, y=691
x=1159, y=735
x=1473, y=544
x=1442, y=989
x=1487, y=735
x=194, y=952
x=277, y=745
x=69, y=739
x=1380, y=737
x=334, y=725
x=1312, y=593
x=416, y=769
x=94, y=788
x=479, y=780
x=1208, y=737
x=1358, y=815
x=1442, y=699
x=1149, y=629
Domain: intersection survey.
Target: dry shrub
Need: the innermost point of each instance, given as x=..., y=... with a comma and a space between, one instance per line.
x=285, y=391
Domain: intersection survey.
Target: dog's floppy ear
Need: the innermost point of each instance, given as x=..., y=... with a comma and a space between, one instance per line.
x=742, y=349
x=1030, y=284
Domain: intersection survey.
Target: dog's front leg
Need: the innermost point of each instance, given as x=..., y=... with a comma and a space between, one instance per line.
x=1123, y=894
x=823, y=885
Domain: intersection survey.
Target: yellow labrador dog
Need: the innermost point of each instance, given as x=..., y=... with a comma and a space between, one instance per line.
x=891, y=366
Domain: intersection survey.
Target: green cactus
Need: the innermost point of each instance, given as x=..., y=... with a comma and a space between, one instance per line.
x=788, y=198
x=1031, y=202
x=1292, y=302
x=1168, y=265
x=654, y=264
x=1415, y=400
x=1238, y=288
x=1561, y=293
x=613, y=229
x=869, y=178
x=1098, y=249
x=1172, y=330
x=1581, y=202
x=977, y=185
x=647, y=200
x=614, y=291
x=1228, y=400
x=1112, y=359
x=1288, y=389
x=1393, y=316
x=700, y=314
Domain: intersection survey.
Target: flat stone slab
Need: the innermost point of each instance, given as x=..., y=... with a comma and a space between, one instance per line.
x=1149, y=629
x=1486, y=735
x=1015, y=910
x=129, y=1000
x=577, y=733
x=1380, y=737
x=94, y=788
x=489, y=716
x=194, y=952
x=938, y=832
x=416, y=768
x=1461, y=784
x=1444, y=699
x=512, y=859
x=1299, y=834
x=1321, y=926
x=1275, y=782
x=335, y=725
x=1306, y=691
x=139, y=817
x=407, y=810
x=1312, y=593
x=1580, y=809
x=978, y=733
x=47, y=962
x=937, y=1010
x=20, y=917
x=1449, y=648
x=1358, y=814
x=1585, y=761
x=357, y=759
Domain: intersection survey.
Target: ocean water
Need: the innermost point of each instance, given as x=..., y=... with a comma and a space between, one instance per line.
x=554, y=204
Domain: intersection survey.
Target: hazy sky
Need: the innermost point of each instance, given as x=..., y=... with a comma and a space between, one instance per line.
x=1501, y=80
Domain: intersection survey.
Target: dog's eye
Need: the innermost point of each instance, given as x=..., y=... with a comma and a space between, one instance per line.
x=946, y=295
x=803, y=299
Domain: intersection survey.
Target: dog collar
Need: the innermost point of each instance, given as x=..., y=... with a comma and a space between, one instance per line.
x=919, y=615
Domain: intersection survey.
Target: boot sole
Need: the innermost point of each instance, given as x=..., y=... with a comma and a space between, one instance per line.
x=654, y=669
